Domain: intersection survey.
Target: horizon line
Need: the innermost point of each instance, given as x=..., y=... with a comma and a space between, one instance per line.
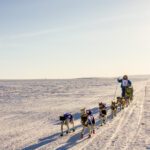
x=4, y=79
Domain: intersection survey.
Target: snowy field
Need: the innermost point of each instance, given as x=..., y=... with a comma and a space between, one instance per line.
x=29, y=111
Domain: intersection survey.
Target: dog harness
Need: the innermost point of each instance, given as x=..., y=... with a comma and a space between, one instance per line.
x=68, y=116
x=103, y=112
x=91, y=120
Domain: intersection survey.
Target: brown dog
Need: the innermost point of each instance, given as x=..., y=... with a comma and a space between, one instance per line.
x=114, y=108
x=87, y=121
x=67, y=119
x=102, y=113
x=121, y=102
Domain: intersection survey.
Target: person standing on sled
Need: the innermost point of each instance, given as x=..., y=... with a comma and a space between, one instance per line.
x=125, y=83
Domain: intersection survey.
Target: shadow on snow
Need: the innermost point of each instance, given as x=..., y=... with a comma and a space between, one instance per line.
x=72, y=141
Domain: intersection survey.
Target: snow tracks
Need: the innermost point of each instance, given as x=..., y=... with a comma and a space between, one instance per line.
x=129, y=130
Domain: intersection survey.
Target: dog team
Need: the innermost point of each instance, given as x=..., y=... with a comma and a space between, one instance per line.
x=87, y=118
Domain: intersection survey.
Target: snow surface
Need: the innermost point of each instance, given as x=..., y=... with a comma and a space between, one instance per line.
x=29, y=112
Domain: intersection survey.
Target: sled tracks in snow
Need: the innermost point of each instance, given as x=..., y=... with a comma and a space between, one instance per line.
x=123, y=133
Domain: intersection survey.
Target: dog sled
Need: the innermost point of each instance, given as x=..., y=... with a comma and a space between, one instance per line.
x=129, y=93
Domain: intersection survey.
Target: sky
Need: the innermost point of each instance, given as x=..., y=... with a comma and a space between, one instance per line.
x=46, y=39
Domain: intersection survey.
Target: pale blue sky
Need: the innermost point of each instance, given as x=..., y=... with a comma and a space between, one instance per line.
x=74, y=38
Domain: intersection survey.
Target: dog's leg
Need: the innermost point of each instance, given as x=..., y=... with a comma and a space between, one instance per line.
x=105, y=119
x=101, y=121
x=68, y=128
x=129, y=101
x=93, y=128
x=100, y=118
x=90, y=130
x=120, y=107
x=126, y=102
x=82, y=132
x=112, y=114
x=73, y=128
x=123, y=105
x=62, y=124
x=115, y=112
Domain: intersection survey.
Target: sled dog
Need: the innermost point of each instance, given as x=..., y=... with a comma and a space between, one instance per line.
x=102, y=113
x=87, y=121
x=113, y=109
x=66, y=120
